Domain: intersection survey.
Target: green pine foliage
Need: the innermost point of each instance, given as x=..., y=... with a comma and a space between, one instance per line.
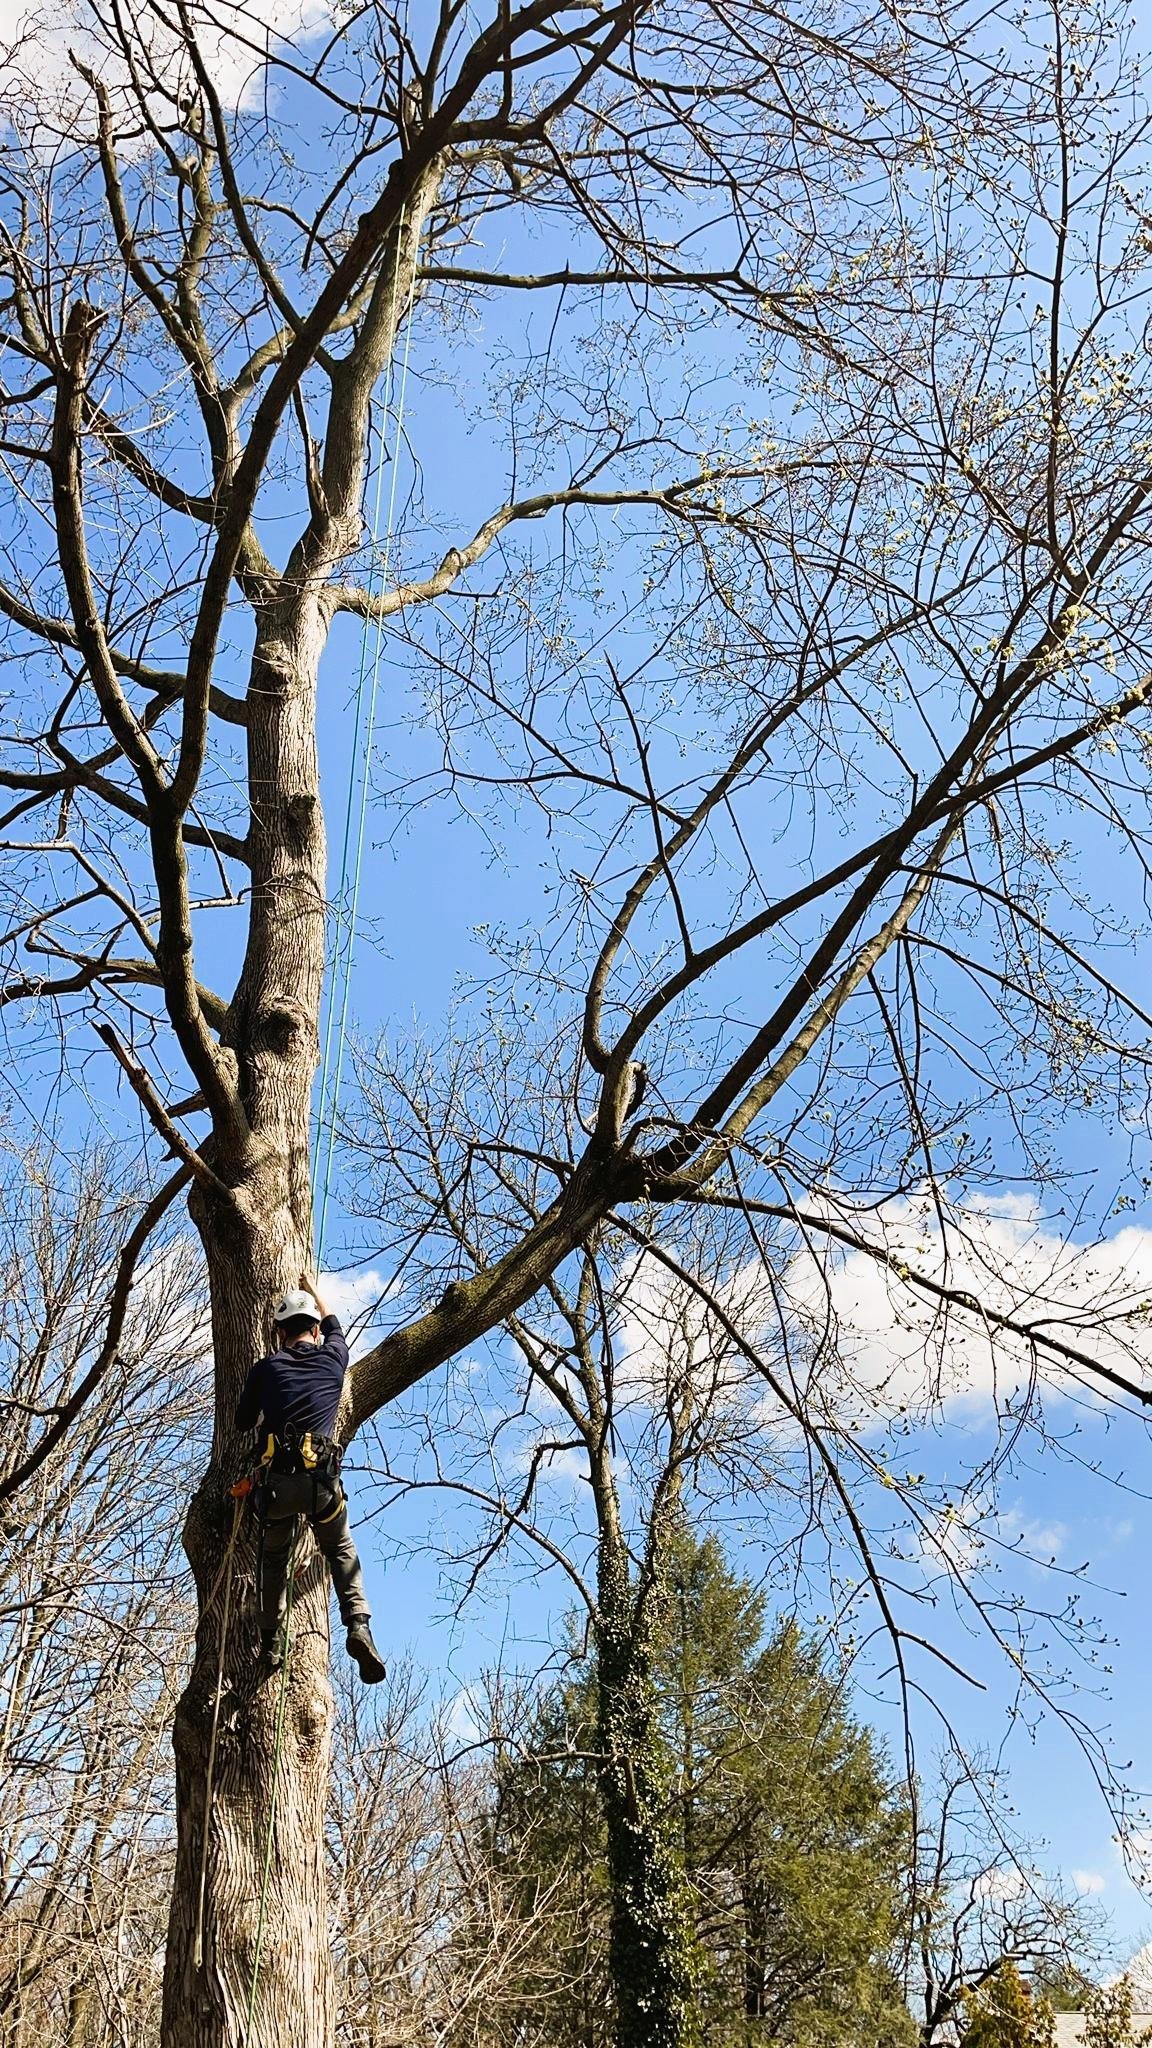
x=1064, y=1986
x=1005, y=2013
x=790, y=1841
x=1110, y=2019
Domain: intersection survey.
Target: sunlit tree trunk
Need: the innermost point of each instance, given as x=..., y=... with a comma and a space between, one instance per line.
x=252, y=1254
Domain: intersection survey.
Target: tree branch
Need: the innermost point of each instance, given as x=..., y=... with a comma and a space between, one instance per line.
x=151, y=1215
x=161, y=1118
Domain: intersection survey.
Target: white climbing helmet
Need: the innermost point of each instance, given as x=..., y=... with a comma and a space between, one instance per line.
x=293, y=1304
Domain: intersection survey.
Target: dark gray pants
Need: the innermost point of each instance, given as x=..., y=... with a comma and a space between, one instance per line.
x=287, y=1497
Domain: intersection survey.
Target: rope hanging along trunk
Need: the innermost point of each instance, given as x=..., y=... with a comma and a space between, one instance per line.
x=278, y=1745
x=357, y=721
x=332, y=1069
x=331, y=1079
x=225, y=1573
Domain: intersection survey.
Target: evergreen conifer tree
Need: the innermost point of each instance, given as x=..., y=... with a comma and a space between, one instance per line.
x=791, y=1839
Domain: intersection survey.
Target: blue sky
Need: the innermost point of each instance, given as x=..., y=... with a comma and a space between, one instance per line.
x=435, y=878
x=425, y=946
x=1050, y=1508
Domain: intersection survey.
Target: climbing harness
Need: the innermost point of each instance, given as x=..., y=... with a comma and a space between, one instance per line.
x=293, y=1451
x=332, y=1070
x=294, y=1448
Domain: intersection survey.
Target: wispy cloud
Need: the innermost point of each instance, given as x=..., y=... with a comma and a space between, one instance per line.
x=355, y=1298
x=892, y=1347
x=857, y=1337
x=40, y=88
x=1041, y=1540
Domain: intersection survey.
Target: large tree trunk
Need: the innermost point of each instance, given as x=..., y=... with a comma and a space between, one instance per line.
x=206, y=2003
x=253, y=1253
x=254, y=1250
x=650, y=1950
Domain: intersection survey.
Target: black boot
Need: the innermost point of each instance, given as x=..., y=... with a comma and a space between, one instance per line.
x=364, y=1653
x=271, y=1652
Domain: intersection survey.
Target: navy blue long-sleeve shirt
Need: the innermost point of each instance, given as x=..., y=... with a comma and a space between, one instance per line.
x=298, y=1388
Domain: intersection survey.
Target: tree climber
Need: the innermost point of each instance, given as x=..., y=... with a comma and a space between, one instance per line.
x=296, y=1391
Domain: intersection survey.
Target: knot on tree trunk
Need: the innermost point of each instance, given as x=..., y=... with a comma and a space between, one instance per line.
x=281, y=1025
x=301, y=817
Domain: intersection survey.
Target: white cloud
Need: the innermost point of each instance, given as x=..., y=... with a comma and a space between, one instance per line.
x=859, y=1340
x=1004, y=1883
x=959, y=1534
x=1088, y=1881
x=893, y=1347
x=463, y=1716
x=355, y=1298
x=855, y=1341
x=671, y=1336
x=42, y=94
x=1042, y=1540
x=566, y=1468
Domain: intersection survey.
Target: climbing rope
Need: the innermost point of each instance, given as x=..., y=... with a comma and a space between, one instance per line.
x=331, y=1081
x=352, y=862
x=336, y=1031
x=225, y=1573
x=276, y=1749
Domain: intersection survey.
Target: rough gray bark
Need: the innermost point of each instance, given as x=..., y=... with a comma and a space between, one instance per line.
x=294, y=1998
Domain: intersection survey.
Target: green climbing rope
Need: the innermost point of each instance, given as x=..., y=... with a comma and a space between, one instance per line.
x=352, y=862
x=336, y=1031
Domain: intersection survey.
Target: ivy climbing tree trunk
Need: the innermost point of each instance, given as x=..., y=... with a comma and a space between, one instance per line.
x=651, y=1946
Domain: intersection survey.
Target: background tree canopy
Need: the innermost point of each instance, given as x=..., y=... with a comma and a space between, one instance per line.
x=795, y=1841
